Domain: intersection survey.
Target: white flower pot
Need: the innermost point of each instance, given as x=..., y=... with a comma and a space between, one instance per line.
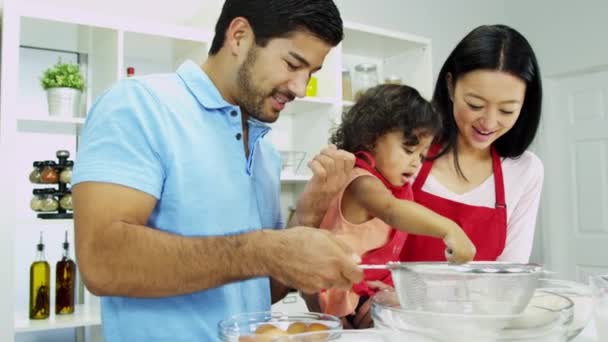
x=64, y=102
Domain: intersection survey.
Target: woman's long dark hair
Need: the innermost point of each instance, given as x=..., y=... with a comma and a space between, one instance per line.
x=496, y=48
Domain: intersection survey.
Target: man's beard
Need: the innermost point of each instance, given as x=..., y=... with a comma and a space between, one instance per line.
x=251, y=99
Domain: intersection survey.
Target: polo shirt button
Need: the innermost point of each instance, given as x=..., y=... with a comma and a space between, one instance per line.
x=233, y=113
x=238, y=136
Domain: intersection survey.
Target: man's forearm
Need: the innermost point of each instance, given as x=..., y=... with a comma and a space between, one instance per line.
x=131, y=260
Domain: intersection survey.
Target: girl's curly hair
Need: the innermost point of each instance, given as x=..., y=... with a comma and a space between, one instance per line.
x=383, y=109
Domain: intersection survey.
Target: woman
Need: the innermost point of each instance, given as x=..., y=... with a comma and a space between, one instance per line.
x=479, y=173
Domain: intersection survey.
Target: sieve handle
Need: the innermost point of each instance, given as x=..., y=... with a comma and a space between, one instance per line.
x=373, y=267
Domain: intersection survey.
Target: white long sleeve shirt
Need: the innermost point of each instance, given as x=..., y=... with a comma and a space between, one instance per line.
x=523, y=179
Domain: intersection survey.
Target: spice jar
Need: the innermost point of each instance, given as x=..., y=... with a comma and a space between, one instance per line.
x=347, y=86
x=393, y=79
x=49, y=203
x=66, y=174
x=366, y=77
x=49, y=174
x=36, y=201
x=66, y=201
x=35, y=175
x=62, y=155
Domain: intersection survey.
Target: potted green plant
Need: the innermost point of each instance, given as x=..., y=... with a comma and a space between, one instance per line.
x=64, y=84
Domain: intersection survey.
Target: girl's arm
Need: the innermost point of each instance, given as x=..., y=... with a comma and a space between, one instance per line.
x=372, y=196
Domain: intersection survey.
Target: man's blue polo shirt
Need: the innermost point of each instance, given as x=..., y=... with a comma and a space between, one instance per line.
x=174, y=137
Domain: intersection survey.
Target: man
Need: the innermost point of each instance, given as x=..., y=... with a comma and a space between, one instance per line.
x=177, y=191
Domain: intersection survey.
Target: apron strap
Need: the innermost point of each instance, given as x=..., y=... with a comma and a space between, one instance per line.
x=499, y=186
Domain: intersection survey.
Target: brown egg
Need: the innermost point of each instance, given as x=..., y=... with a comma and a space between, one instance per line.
x=296, y=328
x=268, y=332
x=316, y=327
x=265, y=328
x=247, y=339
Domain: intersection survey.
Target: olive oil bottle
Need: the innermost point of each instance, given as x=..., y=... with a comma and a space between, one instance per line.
x=40, y=285
x=65, y=279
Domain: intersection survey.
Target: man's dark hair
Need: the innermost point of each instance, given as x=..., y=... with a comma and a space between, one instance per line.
x=279, y=18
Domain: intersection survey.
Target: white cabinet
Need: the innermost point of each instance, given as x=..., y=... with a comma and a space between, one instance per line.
x=292, y=303
x=105, y=46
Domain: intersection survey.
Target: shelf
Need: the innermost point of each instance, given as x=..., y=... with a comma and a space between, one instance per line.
x=363, y=40
x=347, y=104
x=294, y=179
x=53, y=120
x=84, y=315
x=309, y=105
x=97, y=17
x=50, y=125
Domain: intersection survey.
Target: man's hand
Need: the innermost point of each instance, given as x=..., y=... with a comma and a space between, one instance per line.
x=331, y=169
x=311, y=259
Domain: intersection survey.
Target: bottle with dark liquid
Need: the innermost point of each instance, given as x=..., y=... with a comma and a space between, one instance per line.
x=65, y=279
x=40, y=285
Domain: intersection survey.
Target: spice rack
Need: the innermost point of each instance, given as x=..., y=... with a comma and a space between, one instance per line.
x=55, y=202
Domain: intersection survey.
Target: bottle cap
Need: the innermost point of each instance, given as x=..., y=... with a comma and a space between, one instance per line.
x=66, y=244
x=40, y=246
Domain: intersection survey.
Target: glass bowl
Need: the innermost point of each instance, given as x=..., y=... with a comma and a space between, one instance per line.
x=486, y=288
x=265, y=326
x=364, y=335
x=580, y=294
x=545, y=319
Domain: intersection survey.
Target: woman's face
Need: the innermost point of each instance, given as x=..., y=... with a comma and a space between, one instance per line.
x=487, y=104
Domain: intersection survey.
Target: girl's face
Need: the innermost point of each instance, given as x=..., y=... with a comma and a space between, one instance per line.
x=395, y=160
x=486, y=105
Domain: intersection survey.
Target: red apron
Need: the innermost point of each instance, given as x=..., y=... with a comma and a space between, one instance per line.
x=486, y=227
x=392, y=249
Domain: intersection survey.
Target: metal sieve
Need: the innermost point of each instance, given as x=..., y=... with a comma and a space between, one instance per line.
x=494, y=288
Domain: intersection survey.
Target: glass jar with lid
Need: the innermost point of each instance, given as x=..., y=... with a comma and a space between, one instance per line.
x=49, y=202
x=66, y=201
x=393, y=79
x=35, y=175
x=365, y=77
x=66, y=174
x=347, y=86
x=49, y=174
x=36, y=201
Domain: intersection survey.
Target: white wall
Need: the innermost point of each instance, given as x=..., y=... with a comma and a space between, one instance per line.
x=444, y=22
x=571, y=38
x=572, y=35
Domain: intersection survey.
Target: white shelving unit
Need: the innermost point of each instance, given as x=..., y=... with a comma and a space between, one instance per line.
x=288, y=178
x=84, y=315
x=52, y=120
x=107, y=45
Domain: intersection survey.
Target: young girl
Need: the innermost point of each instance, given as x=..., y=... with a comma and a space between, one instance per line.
x=389, y=130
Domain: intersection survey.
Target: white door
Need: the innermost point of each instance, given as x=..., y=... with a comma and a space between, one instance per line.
x=575, y=196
